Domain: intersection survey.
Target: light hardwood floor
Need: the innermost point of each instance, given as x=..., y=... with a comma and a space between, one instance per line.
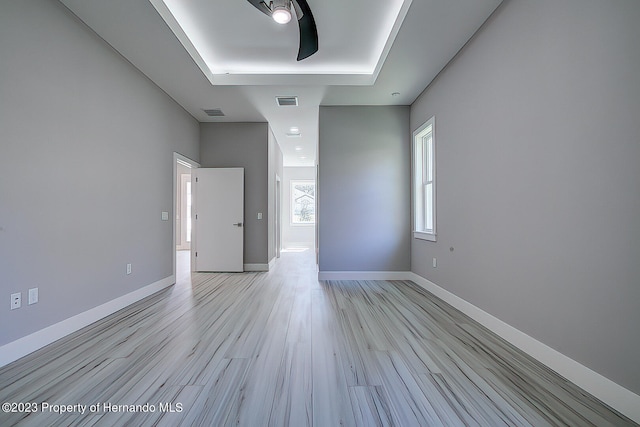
x=283, y=349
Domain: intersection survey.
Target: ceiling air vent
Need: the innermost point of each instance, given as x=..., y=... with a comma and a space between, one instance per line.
x=214, y=112
x=287, y=101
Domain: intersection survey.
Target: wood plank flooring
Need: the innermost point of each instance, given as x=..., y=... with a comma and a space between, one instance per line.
x=282, y=349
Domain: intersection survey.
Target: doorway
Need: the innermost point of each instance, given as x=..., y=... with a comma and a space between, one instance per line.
x=183, y=209
x=278, y=224
x=299, y=208
x=182, y=224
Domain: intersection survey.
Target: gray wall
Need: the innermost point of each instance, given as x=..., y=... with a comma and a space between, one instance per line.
x=226, y=145
x=86, y=168
x=364, y=189
x=538, y=147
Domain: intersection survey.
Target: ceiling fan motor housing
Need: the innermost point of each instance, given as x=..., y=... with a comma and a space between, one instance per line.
x=280, y=11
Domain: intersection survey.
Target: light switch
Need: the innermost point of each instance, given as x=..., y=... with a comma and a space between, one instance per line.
x=165, y=216
x=33, y=296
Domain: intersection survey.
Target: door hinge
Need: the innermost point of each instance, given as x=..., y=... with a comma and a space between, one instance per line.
x=196, y=216
x=196, y=254
x=196, y=179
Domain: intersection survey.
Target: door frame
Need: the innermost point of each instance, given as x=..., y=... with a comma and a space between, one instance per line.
x=181, y=208
x=179, y=158
x=278, y=216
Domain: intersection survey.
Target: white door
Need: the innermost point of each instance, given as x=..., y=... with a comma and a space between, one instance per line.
x=219, y=216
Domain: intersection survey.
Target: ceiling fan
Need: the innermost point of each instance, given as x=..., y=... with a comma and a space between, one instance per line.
x=280, y=11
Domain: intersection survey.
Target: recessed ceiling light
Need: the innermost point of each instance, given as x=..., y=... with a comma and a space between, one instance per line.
x=294, y=132
x=303, y=157
x=298, y=148
x=395, y=94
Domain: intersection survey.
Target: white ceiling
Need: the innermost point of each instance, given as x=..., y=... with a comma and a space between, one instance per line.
x=226, y=54
x=257, y=50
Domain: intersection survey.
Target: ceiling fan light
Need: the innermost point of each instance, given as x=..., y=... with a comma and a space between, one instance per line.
x=281, y=15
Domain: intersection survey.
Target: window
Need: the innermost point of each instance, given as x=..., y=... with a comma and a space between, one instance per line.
x=424, y=182
x=303, y=202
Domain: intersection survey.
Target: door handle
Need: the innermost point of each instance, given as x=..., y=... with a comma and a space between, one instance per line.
x=238, y=224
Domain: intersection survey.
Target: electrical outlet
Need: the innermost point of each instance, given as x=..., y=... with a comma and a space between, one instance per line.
x=128, y=268
x=33, y=296
x=259, y=215
x=16, y=300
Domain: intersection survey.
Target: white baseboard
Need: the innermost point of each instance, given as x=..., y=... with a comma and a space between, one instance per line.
x=256, y=267
x=363, y=275
x=624, y=401
x=21, y=347
x=272, y=263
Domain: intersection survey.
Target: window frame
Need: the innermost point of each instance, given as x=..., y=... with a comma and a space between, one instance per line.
x=420, y=180
x=292, y=203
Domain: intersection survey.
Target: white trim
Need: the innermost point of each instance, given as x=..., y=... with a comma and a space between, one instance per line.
x=614, y=395
x=21, y=347
x=425, y=236
x=183, y=163
x=418, y=181
x=363, y=275
x=256, y=267
x=619, y=398
x=278, y=216
x=272, y=263
x=179, y=158
x=292, y=205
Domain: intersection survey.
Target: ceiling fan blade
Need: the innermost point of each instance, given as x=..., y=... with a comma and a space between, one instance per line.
x=308, y=31
x=261, y=6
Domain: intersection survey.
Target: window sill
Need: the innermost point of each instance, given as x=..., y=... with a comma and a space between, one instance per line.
x=424, y=236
